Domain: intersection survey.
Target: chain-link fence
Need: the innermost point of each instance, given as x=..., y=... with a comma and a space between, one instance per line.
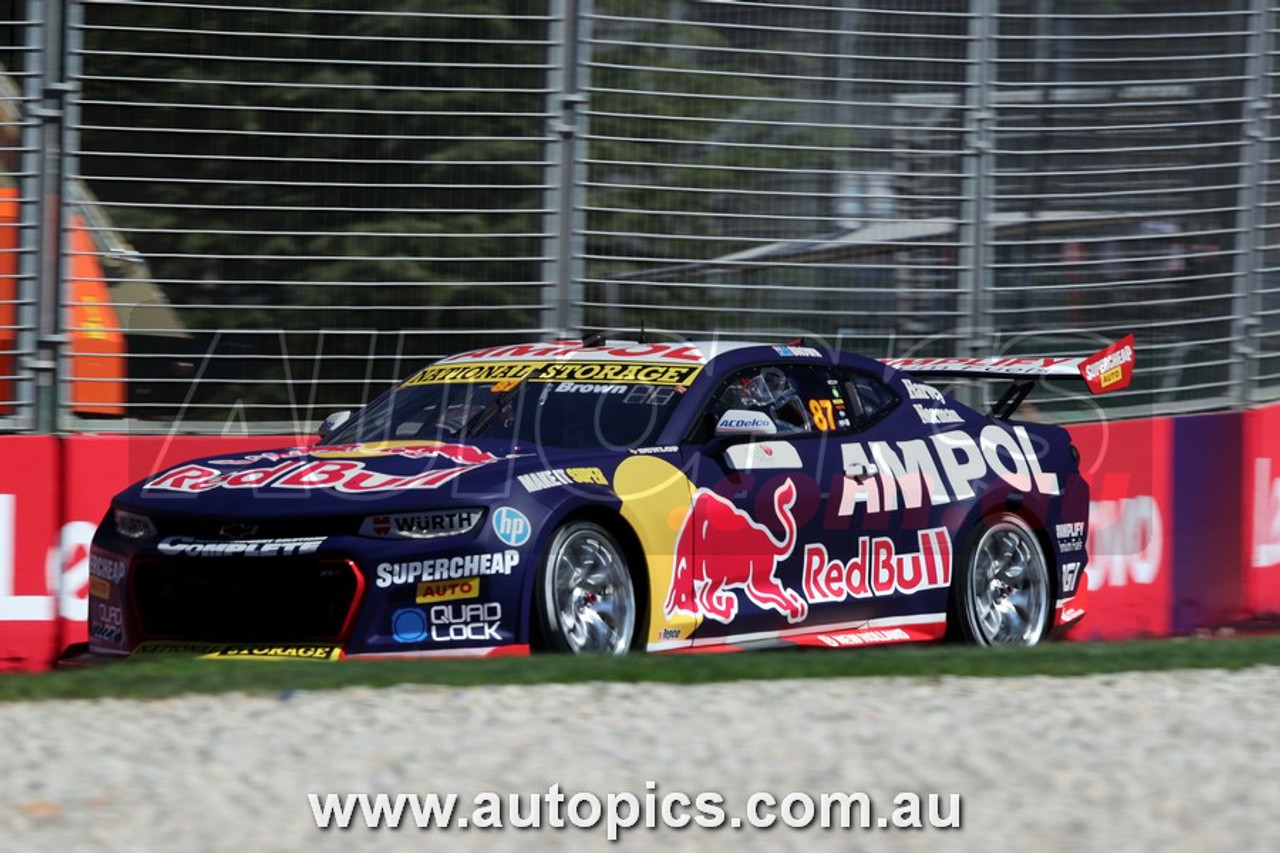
x=242, y=214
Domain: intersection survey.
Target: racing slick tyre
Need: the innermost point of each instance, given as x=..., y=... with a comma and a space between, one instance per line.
x=587, y=599
x=1001, y=595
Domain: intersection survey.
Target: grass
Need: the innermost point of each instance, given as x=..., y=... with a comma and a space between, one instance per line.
x=155, y=678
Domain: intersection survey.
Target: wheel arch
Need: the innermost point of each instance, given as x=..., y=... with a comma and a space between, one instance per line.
x=1013, y=504
x=981, y=512
x=627, y=539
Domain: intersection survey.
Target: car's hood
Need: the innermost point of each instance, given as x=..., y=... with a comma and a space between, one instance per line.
x=325, y=480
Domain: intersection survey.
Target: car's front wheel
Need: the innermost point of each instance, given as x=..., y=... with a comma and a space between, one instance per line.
x=588, y=598
x=1002, y=593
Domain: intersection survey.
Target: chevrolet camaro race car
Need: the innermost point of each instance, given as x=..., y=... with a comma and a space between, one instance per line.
x=603, y=496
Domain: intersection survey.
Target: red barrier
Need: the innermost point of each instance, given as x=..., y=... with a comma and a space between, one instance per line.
x=1261, y=515
x=44, y=589
x=1130, y=572
x=28, y=508
x=44, y=546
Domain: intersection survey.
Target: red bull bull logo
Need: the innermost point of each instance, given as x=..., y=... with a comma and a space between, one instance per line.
x=721, y=549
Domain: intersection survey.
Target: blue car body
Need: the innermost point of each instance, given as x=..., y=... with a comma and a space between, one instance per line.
x=756, y=494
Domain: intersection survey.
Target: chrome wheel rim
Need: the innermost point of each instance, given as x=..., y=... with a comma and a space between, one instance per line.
x=1008, y=586
x=590, y=591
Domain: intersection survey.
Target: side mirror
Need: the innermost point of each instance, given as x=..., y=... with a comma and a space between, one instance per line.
x=332, y=422
x=740, y=422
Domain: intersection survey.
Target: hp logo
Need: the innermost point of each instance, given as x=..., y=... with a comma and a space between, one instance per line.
x=511, y=526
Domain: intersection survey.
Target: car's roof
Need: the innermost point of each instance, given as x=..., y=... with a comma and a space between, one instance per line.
x=679, y=352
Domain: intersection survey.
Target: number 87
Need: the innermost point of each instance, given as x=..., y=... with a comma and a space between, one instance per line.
x=823, y=414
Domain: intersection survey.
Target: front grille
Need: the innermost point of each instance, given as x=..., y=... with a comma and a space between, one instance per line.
x=263, y=600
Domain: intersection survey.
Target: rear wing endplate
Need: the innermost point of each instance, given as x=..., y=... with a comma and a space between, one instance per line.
x=1109, y=369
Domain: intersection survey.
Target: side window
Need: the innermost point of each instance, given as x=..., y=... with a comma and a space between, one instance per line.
x=869, y=397
x=797, y=398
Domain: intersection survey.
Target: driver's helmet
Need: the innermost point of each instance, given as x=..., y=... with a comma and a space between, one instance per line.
x=772, y=391
x=768, y=387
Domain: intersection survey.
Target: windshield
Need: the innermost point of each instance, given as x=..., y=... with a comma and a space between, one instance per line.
x=530, y=411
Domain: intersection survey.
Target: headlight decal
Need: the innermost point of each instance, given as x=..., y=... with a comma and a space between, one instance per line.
x=133, y=525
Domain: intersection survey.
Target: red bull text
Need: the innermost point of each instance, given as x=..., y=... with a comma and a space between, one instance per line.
x=878, y=569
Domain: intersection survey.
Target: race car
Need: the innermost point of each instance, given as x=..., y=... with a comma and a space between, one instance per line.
x=607, y=496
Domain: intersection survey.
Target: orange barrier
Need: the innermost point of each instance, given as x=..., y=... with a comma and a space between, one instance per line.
x=8, y=297
x=97, y=356
x=97, y=364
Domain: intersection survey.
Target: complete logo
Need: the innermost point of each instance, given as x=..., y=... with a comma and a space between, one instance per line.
x=511, y=526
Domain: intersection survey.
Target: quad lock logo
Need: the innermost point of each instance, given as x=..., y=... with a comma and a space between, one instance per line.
x=448, y=623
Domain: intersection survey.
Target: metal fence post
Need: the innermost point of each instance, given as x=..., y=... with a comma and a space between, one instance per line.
x=1250, y=208
x=566, y=173
x=973, y=231
x=30, y=238
x=49, y=113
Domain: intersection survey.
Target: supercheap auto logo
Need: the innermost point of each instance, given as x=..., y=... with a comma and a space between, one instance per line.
x=1111, y=369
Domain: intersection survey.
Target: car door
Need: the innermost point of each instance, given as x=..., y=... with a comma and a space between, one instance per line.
x=881, y=570
x=763, y=456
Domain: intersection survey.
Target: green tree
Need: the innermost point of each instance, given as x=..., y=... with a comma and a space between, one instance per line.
x=370, y=174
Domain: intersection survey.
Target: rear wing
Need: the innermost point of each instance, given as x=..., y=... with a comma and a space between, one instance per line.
x=1108, y=369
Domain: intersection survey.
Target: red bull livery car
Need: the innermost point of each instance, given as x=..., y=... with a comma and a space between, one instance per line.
x=605, y=496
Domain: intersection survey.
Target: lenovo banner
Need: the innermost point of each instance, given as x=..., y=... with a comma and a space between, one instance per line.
x=1128, y=466
x=29, y=564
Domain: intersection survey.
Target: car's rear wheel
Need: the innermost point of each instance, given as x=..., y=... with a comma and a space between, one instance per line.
x=588, y=598
x=1002, y=594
